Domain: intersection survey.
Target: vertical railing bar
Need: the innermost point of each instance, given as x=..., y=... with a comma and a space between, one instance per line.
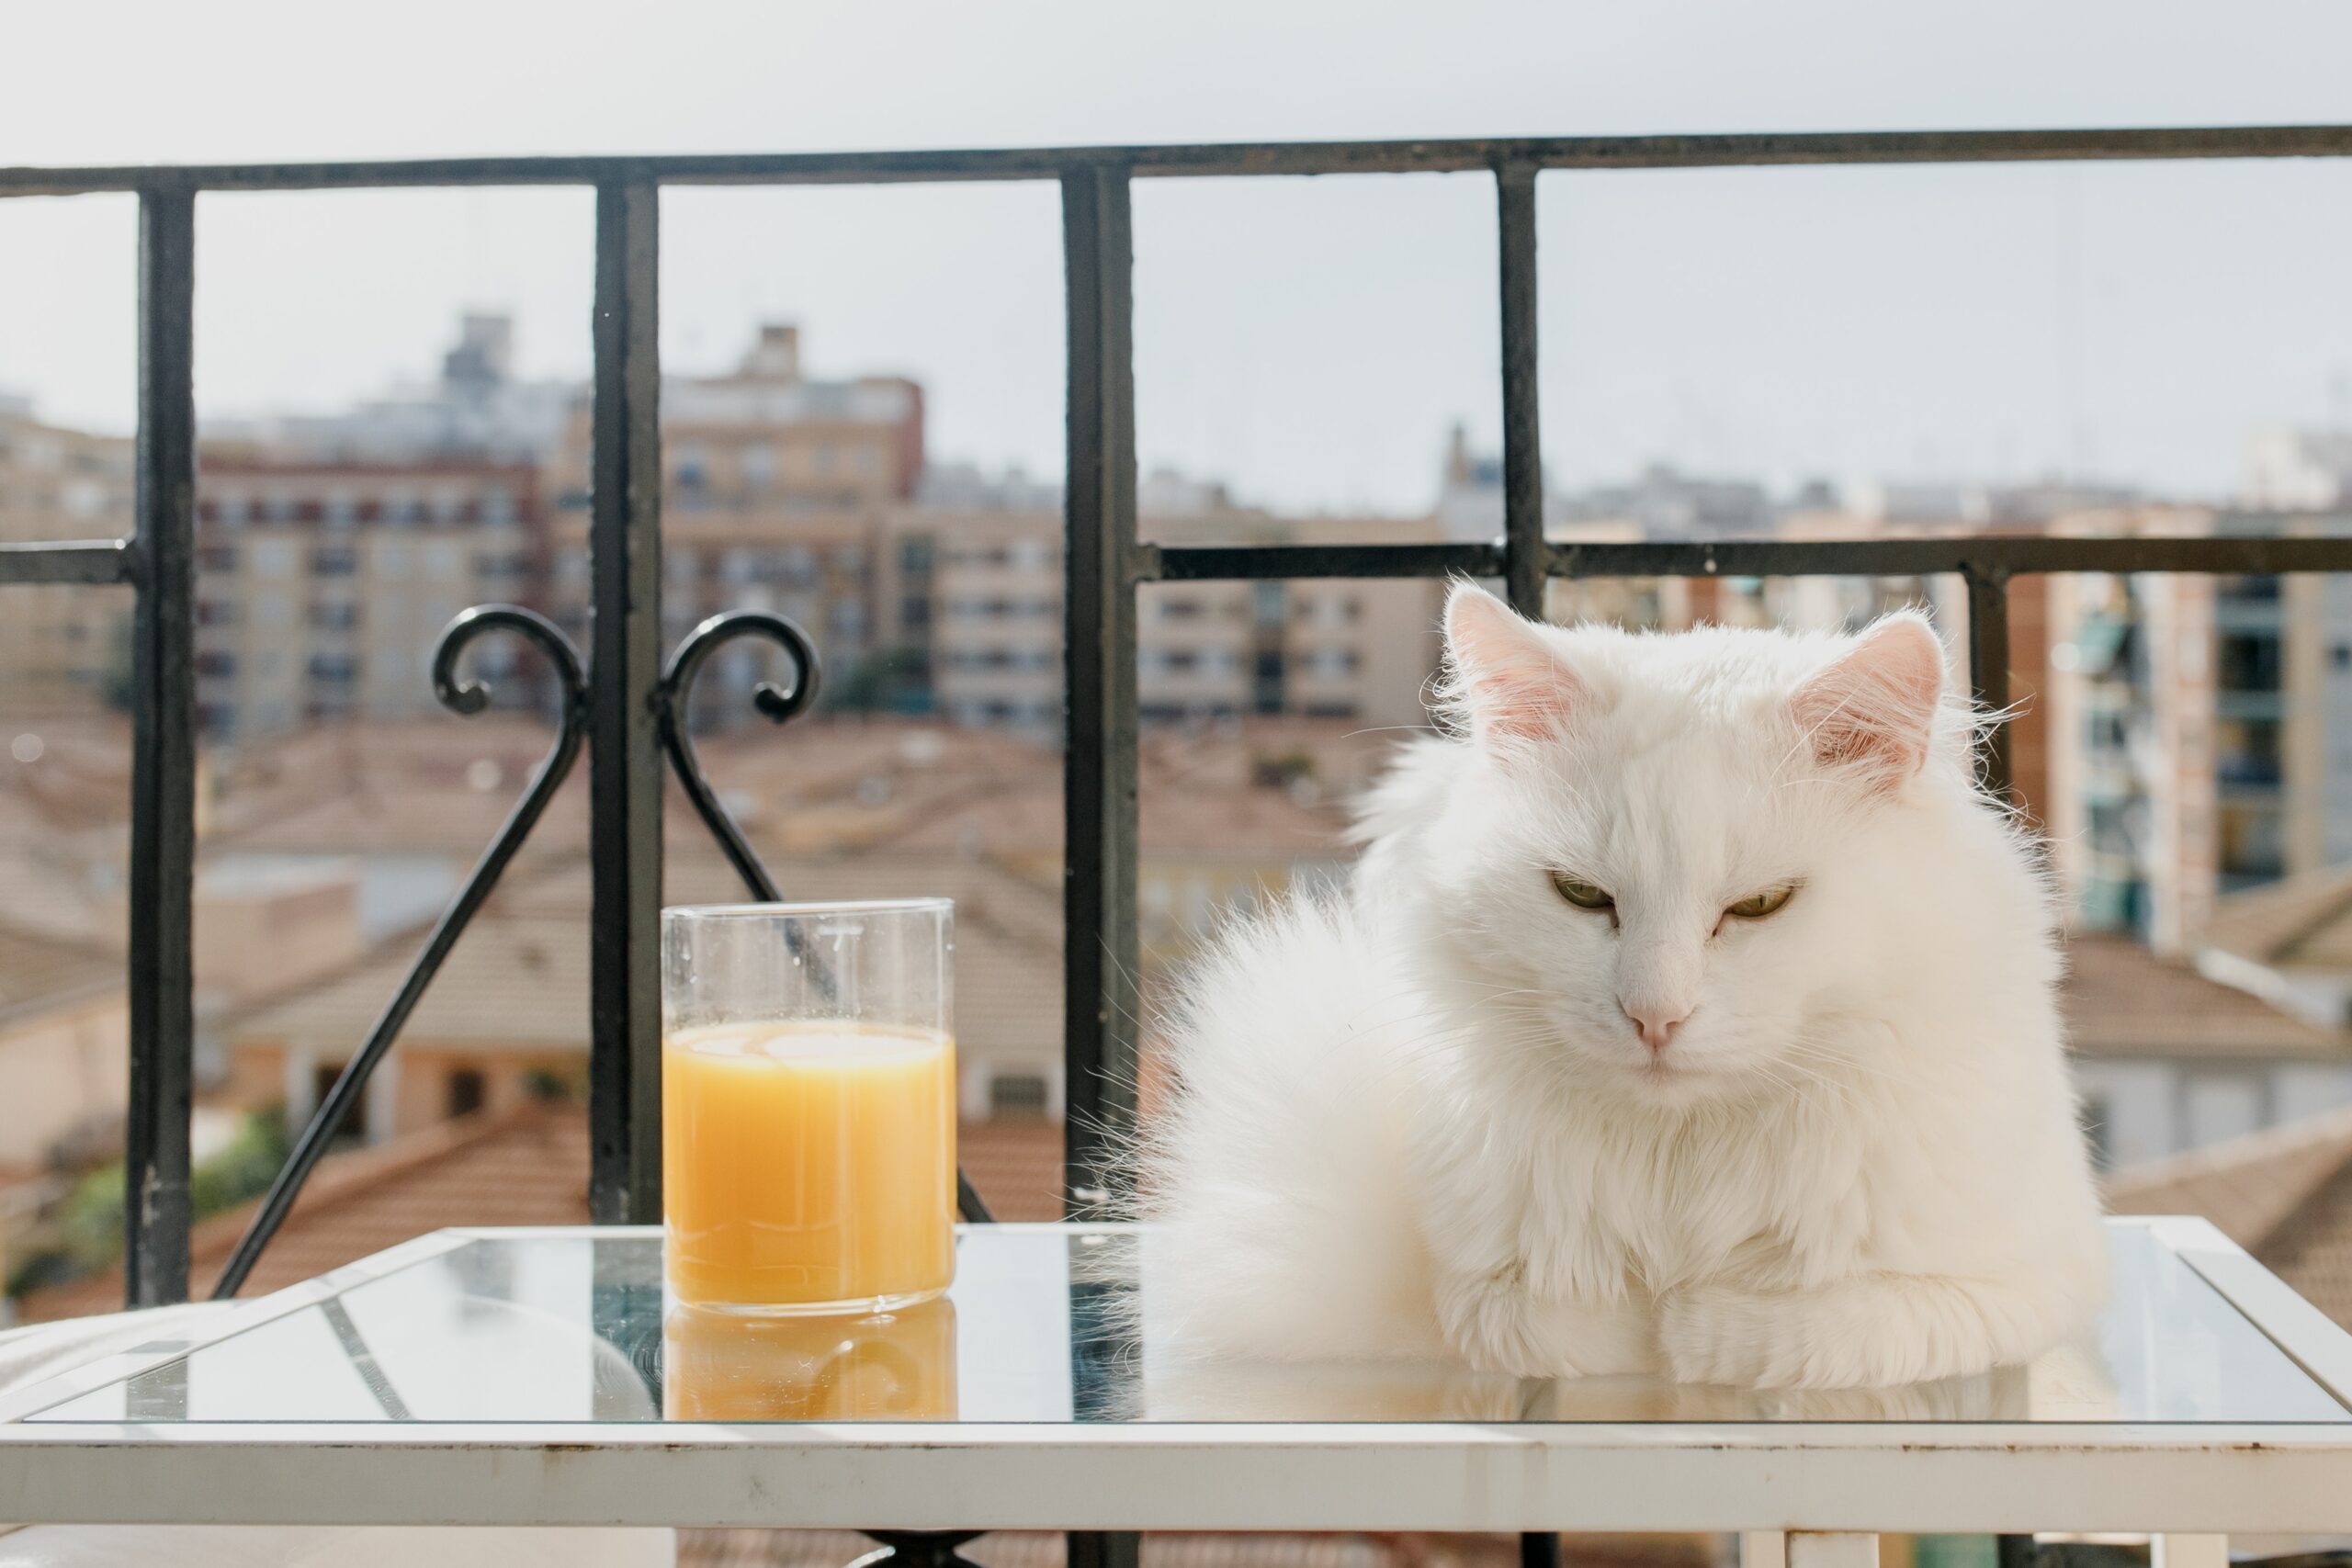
x=1100, y=995
x=162, y=770
x=1524, y=567
x=625, y=674
x=1988, y=670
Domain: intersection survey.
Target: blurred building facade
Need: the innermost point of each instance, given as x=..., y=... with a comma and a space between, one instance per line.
x=62, y=650
x=2201, y=730
x=322, y=586
x=774, y=485
x=971, y=596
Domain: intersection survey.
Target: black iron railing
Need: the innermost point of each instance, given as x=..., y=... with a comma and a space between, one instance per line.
x=627, y=708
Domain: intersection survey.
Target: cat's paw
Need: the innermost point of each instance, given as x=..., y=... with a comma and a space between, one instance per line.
x=1498, y=1325
x=1487, y=1323
x=1734, y=1338
x=1883, y=1331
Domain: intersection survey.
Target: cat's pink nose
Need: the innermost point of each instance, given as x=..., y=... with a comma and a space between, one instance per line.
x=1655, y=1023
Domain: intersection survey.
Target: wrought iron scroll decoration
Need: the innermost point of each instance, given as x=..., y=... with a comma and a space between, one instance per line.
x=780, y=705
x=467, y=698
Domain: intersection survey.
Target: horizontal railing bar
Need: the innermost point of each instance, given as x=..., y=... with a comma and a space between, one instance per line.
x=1998, y=553
x=1216, y=563
x=1223, y=159
x=2003, y=554
x=69, y=560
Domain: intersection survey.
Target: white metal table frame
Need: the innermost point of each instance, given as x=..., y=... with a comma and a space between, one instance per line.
x=1834, y=1484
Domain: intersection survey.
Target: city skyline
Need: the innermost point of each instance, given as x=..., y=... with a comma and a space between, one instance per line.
x=1308, y=342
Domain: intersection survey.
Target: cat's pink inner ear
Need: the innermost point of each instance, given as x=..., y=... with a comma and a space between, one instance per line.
x=1506, y=674
x=1873, y=711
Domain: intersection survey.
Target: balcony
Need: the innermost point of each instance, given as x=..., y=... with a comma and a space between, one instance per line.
x=625, y=698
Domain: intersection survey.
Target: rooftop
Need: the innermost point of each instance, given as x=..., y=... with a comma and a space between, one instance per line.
x=2123, y=1001
x=518, y=978
x=2285, y=1195
x=39, y=971
x=2304, y=922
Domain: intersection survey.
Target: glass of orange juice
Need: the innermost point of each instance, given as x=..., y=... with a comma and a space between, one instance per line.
x=808, y=1105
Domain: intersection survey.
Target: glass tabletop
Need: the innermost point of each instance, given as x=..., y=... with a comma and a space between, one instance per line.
x=1050, y=1325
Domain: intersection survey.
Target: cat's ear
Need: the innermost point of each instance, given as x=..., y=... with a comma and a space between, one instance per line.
x=1507, y=677
x=1872, y=713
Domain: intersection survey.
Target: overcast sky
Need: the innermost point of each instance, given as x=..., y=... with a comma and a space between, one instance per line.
x=1310, y=341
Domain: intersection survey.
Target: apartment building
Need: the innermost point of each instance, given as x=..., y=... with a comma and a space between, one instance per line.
x=2200, y=732
x=322, y=587
x=972, y=592
x=61, y=646
x=774, y=489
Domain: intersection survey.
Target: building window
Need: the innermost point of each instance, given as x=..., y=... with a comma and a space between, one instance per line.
x=323, y=1080
x=333, y=560
x=2248, y=661
x=758, y=468
x=1267, y=599
x=1017, y=1095
x=465, y=1092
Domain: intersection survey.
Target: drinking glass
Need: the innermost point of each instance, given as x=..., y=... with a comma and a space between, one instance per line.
x=808, y=1105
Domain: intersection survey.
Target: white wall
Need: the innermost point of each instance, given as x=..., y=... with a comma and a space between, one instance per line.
x=2153, y=1108
x=59, y=1072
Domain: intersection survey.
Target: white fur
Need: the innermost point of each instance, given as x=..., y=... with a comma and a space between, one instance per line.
x=1418, y=1119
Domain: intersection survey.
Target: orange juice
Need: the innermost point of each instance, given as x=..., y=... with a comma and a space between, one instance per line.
x=807, y=1165
x=724, y=1366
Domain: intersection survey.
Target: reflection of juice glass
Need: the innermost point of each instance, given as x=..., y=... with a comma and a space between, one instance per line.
x=808, y=1105
x=725, y=1365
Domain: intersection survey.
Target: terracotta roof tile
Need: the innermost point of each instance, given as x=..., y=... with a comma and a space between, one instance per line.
x=2302, y=922
x=2285, y=1195
x=41, y=969
x=527, y=1167
x=518, y=978
x=2123, y=1001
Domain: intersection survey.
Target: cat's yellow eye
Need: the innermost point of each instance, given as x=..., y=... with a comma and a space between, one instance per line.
x=1756, y=906
x=1583, y=895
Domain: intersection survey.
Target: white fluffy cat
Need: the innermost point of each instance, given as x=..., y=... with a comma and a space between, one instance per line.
x=1690, y=1012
